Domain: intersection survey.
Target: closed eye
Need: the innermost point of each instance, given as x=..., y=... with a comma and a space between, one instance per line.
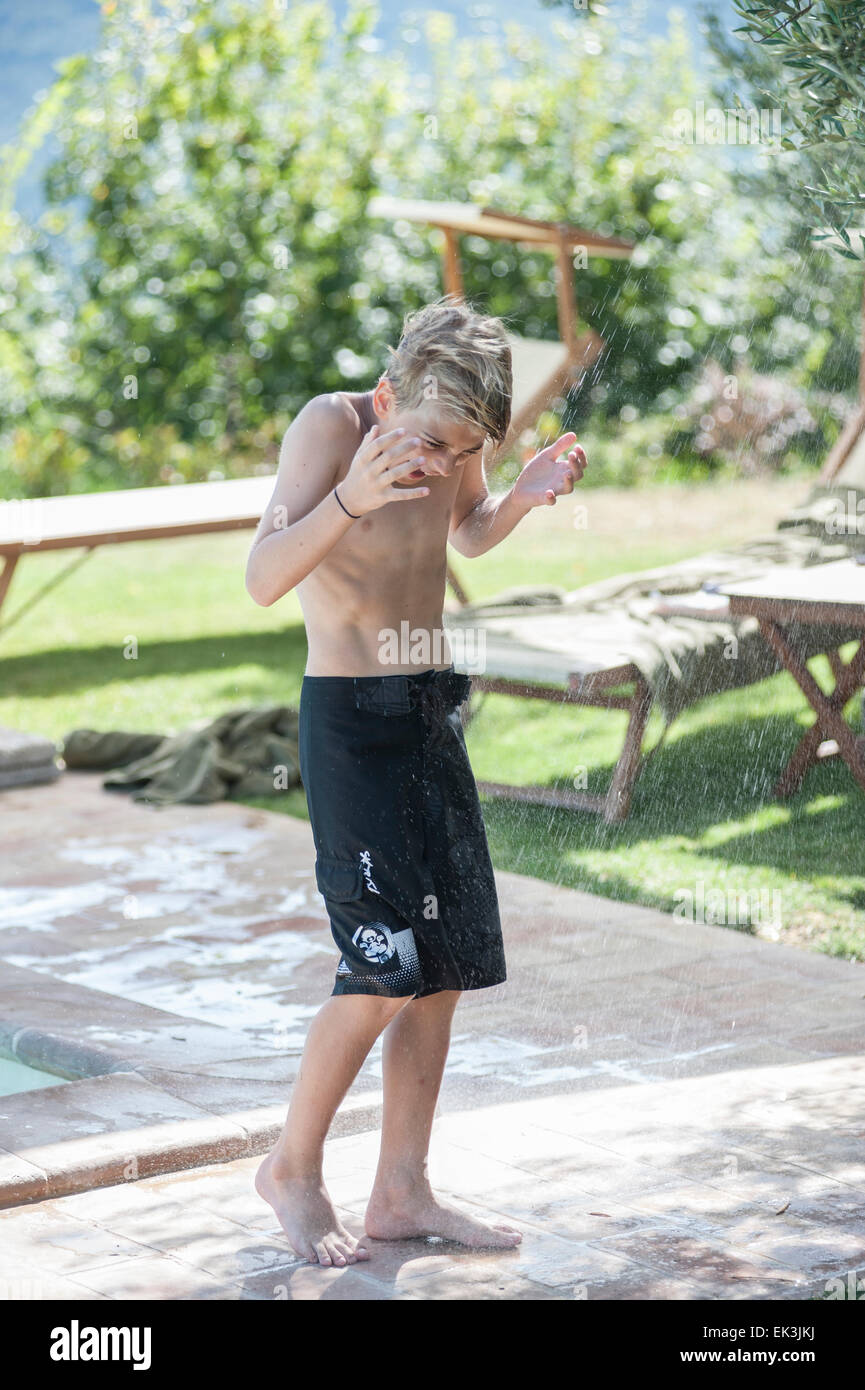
x=466, y=453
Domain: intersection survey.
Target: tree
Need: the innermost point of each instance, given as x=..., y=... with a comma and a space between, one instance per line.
x=817, y=79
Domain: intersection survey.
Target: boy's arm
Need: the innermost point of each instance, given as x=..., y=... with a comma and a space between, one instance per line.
x=303, y=520
x=479, y=521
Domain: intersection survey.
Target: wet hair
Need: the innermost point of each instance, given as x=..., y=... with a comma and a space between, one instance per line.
x=454, y=355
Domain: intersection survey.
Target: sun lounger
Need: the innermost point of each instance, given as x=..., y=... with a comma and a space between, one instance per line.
x=94, y=519
x=664, y=635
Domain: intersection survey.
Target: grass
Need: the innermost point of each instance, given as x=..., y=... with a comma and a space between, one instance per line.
x=160, y=635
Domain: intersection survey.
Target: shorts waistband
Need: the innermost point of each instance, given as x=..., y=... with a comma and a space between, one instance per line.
x=360, y=682
x=395, y=694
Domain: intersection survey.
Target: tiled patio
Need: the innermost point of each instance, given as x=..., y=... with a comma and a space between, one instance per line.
x=667, y=1110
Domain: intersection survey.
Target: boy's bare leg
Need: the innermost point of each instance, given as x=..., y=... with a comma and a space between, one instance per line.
x=402, y=1203
x=290, y=1179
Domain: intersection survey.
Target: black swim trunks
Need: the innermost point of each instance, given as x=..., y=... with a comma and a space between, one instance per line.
x=402, y=859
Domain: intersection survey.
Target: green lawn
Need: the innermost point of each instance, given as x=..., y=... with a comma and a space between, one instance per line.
x=154, y=636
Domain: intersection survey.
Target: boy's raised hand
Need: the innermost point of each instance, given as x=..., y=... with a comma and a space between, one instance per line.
x=546, y=476
x=381, y=460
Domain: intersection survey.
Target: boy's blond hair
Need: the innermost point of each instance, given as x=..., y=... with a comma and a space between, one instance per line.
x=461, y=359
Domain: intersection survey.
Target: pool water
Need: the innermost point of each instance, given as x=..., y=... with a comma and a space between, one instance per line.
x=16, y=1077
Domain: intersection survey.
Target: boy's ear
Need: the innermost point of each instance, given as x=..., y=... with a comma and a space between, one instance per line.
x=383, y=397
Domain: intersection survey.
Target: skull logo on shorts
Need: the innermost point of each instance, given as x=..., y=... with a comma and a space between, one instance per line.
x=376, y=942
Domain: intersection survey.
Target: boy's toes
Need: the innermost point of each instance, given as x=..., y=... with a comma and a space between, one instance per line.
x=321, y=1253
x=508, y=1230
x=336, y=1252
x=348, y=1245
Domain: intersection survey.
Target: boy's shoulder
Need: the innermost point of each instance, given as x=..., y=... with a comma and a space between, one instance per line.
x=330, y=413
x=324, y=433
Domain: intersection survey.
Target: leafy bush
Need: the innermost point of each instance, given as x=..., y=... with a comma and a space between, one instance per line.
x=745, y=419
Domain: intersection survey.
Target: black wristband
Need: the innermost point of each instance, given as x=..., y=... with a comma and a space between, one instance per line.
x=345, y=509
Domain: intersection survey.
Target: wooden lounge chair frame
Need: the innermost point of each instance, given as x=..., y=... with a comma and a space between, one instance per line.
x=601, y=690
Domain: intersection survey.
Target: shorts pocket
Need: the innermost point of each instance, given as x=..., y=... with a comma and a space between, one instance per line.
x=339, y=880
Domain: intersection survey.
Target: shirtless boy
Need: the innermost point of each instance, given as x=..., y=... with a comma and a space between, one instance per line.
x=370, y=488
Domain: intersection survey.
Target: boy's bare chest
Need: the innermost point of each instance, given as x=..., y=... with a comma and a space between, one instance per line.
x=412, y=529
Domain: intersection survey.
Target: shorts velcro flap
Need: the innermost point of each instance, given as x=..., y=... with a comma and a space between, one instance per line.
x=338, y=879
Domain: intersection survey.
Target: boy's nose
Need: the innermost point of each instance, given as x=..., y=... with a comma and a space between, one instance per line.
x=445, y=466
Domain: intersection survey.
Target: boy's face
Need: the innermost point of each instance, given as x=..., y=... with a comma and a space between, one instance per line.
x=446, y=444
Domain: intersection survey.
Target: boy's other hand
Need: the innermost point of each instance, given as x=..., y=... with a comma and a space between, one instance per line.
x=381, y=461
x=546, y=476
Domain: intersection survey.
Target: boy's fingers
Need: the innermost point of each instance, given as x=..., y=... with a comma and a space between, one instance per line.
x=384, y=441
x=398, y=449
x=564, y=442
x=405, y=494
x=409, y=466
x=407, y=448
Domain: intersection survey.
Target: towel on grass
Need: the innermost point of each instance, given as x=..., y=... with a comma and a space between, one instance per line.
x=247, y=752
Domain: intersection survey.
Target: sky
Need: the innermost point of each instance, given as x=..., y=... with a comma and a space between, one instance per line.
x=33, y=38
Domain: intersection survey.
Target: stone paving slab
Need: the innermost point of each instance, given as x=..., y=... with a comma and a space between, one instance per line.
x=205, y=1234
x=668, y=1110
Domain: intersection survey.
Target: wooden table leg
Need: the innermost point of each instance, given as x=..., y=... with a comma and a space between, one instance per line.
x=806, y=754
x=6, y=576
x=830, y=721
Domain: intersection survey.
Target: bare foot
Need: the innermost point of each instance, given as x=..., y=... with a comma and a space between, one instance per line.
x=307, y=1216
x=391, y=1216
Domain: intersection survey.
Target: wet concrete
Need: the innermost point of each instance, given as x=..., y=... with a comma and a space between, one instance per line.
x=667, y=1109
